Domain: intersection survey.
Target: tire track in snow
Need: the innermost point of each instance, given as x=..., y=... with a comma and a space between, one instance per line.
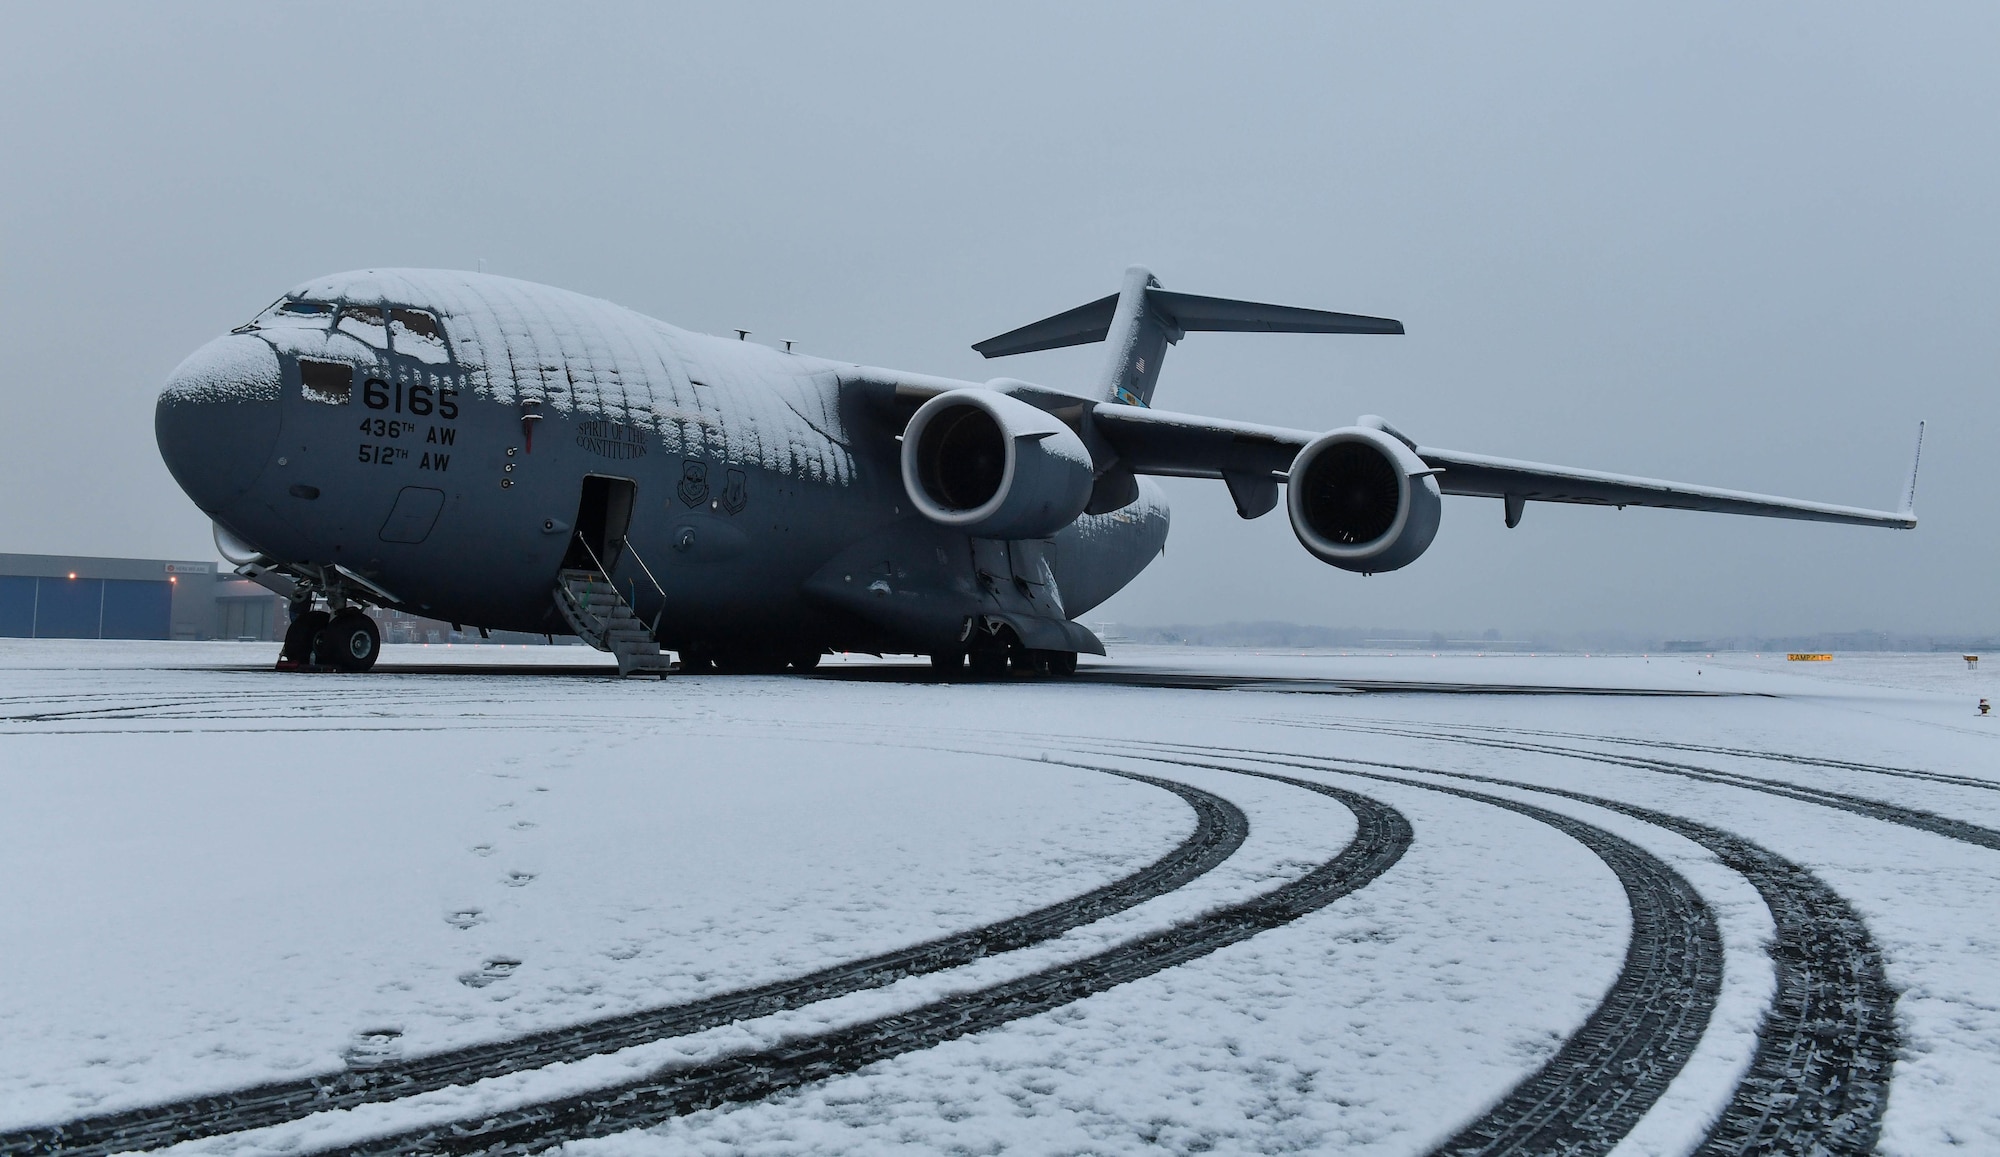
x=1583, y=1101
x=123, y=705
x=1612, y=1069
x=1220, y=828
x=1819, y=1082
x=1713, y=749
x=1382, y=835
x=1950, y=828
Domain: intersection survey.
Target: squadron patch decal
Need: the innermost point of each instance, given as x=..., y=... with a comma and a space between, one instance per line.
x=694, y=481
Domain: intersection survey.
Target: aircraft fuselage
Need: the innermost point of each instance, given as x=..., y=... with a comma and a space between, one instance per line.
x=454, y=440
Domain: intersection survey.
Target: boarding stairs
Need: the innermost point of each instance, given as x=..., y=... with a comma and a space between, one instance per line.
x=596, y=611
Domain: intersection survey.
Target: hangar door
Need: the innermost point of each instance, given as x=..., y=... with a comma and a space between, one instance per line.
x=17, y=606
x=85, y=608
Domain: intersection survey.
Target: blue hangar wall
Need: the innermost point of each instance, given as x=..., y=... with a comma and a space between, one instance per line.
x=45, y=596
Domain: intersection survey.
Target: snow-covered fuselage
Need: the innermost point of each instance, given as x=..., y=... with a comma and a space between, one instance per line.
x=428, y=439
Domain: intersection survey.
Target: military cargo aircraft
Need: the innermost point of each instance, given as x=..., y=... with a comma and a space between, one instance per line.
x=511, y=456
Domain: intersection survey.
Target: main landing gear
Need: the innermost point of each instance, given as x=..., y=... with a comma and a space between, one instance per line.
x=740, y=661
x=987, y=657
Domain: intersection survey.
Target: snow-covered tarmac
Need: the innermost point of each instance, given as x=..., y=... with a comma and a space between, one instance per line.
x=1193, y=900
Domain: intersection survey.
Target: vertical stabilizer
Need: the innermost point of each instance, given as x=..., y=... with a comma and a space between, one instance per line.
x=1138, y=336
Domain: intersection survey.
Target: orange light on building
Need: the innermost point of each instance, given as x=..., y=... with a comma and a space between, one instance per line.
x=173, y=578
x=72, y=574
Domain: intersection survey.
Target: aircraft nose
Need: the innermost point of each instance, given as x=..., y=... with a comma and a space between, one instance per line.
x=217, y=419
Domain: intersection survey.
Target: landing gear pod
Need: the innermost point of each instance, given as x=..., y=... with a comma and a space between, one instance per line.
x=1362, y=501
x=994, y=466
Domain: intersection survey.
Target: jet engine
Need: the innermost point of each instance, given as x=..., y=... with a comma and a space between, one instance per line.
x=1361, y=500
x=994, y=466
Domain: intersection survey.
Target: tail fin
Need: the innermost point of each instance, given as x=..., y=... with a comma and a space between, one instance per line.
x=1142, y=320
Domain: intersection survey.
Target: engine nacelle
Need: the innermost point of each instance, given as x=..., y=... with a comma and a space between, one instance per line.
x=994, y=466
x=1362, y=501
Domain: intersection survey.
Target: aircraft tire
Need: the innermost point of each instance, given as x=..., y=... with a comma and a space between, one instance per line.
x=1045, y=663
x=948, y=664
x=349, y=643
x=751, y=663
x=300, y=637
x=988, y=662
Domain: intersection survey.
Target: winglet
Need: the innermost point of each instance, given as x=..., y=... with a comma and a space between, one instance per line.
x=1910, y=495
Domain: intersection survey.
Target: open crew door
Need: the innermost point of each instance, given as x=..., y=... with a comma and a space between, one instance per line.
x=603, y=514
x=584, y=592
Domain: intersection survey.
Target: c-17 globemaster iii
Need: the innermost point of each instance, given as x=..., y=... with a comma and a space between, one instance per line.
x=497, y=453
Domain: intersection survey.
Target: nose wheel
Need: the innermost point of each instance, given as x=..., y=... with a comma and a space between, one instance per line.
x=316, y=640
x=299, y=639
x=349, y=642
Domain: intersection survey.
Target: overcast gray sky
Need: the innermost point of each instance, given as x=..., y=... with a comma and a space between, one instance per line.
x=1744, y=245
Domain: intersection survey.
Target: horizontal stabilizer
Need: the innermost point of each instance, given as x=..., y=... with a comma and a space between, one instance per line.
x=1079, y=326
x=1185, y=312
x=1221, y=314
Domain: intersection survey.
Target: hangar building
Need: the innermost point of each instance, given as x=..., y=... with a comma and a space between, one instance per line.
x=52, y=596
x=62, y=596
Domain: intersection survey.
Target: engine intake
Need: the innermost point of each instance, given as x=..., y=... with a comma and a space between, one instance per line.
x=994, y=466
x=1362, y=501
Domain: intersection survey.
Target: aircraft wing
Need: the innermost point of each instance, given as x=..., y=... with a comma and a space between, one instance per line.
x=1504, y=478
x=1184, y=445
x=1152, y=441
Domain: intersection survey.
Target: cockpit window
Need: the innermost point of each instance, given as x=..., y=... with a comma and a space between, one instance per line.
x=291, y=313
x=418, y=335
x=328, y=383
x=417, y=322
x=365, y=322
x=305, y=308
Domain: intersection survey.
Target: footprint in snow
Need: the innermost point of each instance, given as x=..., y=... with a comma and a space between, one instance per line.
x=464, y=918
x=518, y=879
x=373, y=1048
x=499, y=968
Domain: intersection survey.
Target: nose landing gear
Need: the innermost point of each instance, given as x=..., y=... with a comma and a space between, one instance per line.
x=301, y=637
x=317, y=641
x=340, y=638
x=349, y=642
